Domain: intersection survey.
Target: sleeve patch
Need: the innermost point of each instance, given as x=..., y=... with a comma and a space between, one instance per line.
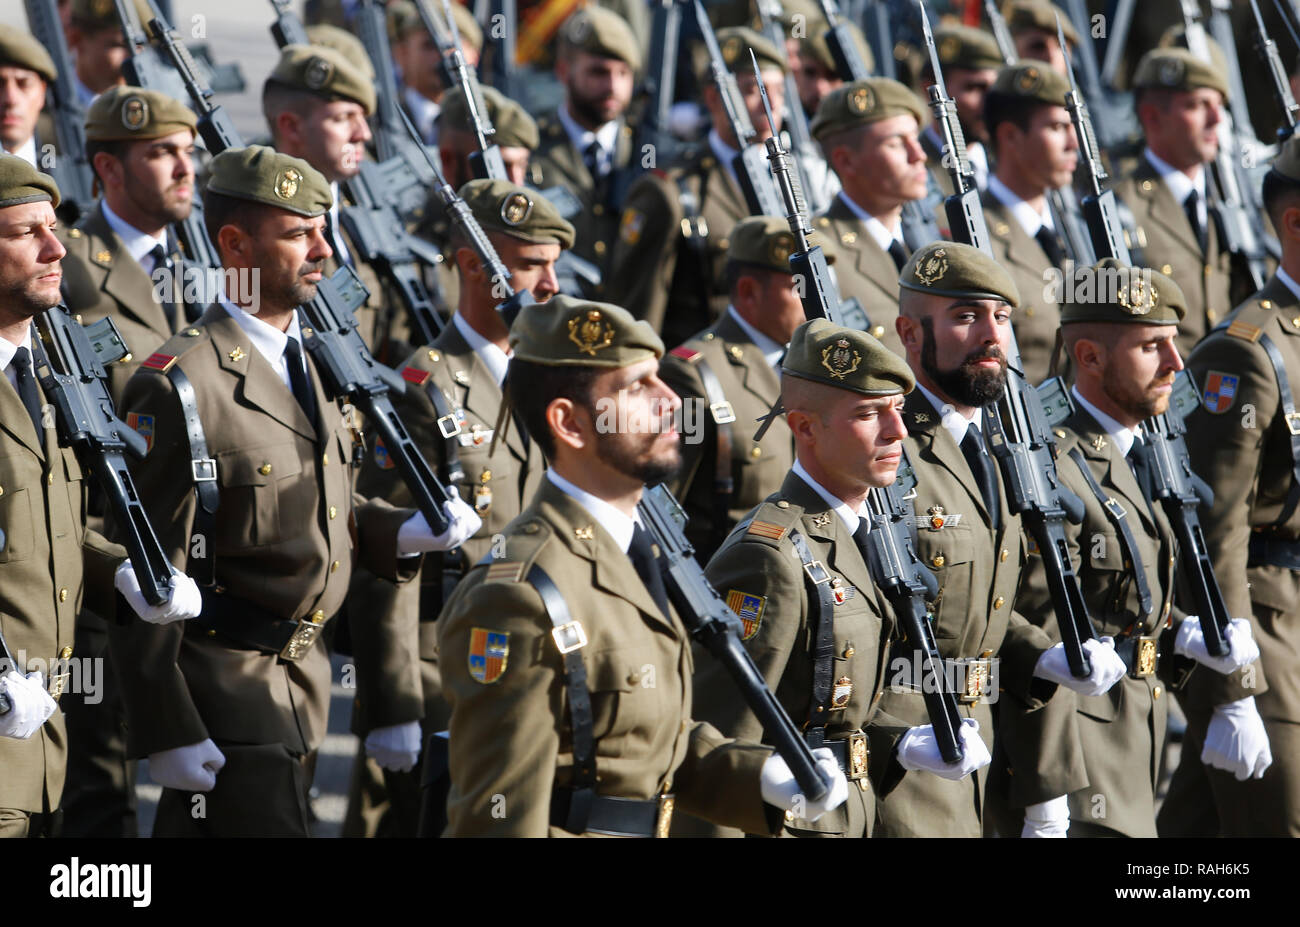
x=488, y=652
x=630, y=226
x=383, y=459
x=1245, y=331
x=1219, y=393
x=749, y=608
x=143, y=425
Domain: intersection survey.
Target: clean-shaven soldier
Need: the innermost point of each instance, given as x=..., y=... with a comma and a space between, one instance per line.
x=52, y=563
x=419, y=61
x=97, y=46
x=868, y=132
x=970, y=61
x=26, y=69
x=1032, y=24
x=957, y=310
x=1122, y=352
x=731, y=372
x=568, y=671
x=1037, y=151
x=249, y=482
x=450, y=408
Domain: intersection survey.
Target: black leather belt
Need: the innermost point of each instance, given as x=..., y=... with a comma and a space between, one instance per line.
x=615, y=817
x=249, y=627
x=1273, y=552
x=1139, y=655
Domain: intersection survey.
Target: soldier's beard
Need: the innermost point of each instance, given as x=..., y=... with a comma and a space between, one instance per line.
x=24, y=299
x=1140, y=404
x=966, y=384
x=619, y=453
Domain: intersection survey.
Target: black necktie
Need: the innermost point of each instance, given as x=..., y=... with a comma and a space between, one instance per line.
x=1050, y=244
x=860, y=538
x=1194, y=217
x=972, y=448
x=332, y=233
x=27, y=391
x=1139, y=462
x=898, y=253
x=643, y=560
x=160, y=260
x=591, y=158
x=300, y=379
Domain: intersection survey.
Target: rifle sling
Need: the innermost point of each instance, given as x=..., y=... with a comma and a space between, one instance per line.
x=724, y=485
x=204, y=472
x=1287, y=401
x=1116, y=515
x=818, y=582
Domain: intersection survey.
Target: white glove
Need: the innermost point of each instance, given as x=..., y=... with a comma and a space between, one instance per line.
x=777, y=786
x=1049, y=818
x=188, y=769
x=396, y=748
x=1107, y=667
x=919, y=750
x=183, y=599
x=416, y=537
x=1236, y=740
x=30, y=705
x=1242, y=649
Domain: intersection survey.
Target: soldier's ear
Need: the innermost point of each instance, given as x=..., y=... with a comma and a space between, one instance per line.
x=569, y=423
x=909, y=332
x=1291, y=222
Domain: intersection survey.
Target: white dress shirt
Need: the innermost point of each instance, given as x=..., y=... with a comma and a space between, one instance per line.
x=616, y=524
x=846, y=514
x=607, y=135
x=341, y=252
x=879, y=233
x=27, y=151
x=772, y=352
x=424, y=114
x=269, y=340
x=495, y=359
x=953, y=421
x=1180, y=185
x=139, y=245
x=1029, y=218
x=1122, y=436
x=7, y=352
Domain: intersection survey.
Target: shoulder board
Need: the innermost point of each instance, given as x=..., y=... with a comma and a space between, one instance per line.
x=510, y=557
x=685, y=353
x=504, y=571
x=160, y=361
x=1245, y=331
x=415, y=375
x=772, y=521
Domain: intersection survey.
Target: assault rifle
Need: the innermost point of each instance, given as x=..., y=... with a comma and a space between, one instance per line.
x=1266, y=48
x=795, y=121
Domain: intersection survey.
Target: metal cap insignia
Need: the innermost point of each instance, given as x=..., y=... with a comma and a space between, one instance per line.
x=135, y=113
x=782, y=246
x=862, y=100
x=1137, y=297
x=286, y=185
x=516, y=209
x=588, y=333
x=1029, y=80
x=840, y=359
x=931, y=270
x=318, y=73
x=1171, y=72
x=949, y=46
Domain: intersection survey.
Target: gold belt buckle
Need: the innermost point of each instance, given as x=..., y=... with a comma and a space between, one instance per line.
x=858, y=756
x=664, y=820
x=979, y=677
x=1145, y=664
x=303, y=637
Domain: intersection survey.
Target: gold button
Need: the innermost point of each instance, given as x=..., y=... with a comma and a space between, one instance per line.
x=1211, y=314
x=318, y=616
x=325, y=459
x=219, y=590
x=334, y=566
x=937, y=561
x=333, y=512
x=997, y=603
x=724, y=244
x=782, y=504
x=433, y=356
x=633, y=678
x=1029, y=310
x=485, y=476
x=65, y=653
x=1166, y=269
x=212, y=634
x=1147, y=185
x=2, y=490
x=1266, y=304
x=756, y=452
x=878, y=331
x=1002, y=557
x=63, y=594
x=599, y=247
x=1157, y=692
x=529, y=528
x=789, y=816
x=264, y=469
x=49, y=478
x=1207, y=270
x=849, y=651
x=1296, y=322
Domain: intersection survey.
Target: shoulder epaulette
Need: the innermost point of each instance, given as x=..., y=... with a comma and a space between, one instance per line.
x=415, y=375
x=772, y=521
x=1245, y=331
x=685, y=353
x=159, y=361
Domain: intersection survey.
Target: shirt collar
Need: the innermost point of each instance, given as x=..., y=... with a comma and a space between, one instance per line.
x=880, y=235
x=607, y=134
x=1179, y=184
x=138, y=244
x=1030, y=219
x=495, y=359
x=1289, y=281
x=8, y=349
x=617, y=525
x=953, y=421
x=424, y=113
x=723, y=152
x=772, y=351
x=269, y=340
x=85, y=96
x=27, y=151
x=1123, y=437
x=846, y=514
x=975, y=154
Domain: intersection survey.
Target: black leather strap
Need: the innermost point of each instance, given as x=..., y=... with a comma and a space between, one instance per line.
x=452, y=472
x=1273, y=552
x=817, y=579
x=724, y=486
x=614, y=817
x=242, y=623
x=1116, y=515
x=203, y=470
x=1292, y=425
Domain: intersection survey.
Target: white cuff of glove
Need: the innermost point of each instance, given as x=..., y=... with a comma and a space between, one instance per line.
x=779, y=789
x=1236, y=740
x=1049, y=818
x=183, y=598
x=918, y=750
x=1242, y=649
x=30, y=705
x=188, y=769
x=1107, y=667
x=416, y=537
x=395, y=748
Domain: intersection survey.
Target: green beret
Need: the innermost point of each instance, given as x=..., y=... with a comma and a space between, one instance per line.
x=1032, y=80
x=765, y=241
x=1176, y=37
x=515, y=128
x=324, y=72
x=20, y=50
x=98, y=15
x=863, y=102
x=814, y=20
x=827, y=353
x=500, y=206
x=263, y=175
x=566, y=331
x=404, y=18
x=21, y=183
x=949, y=268
x=736, y=41
x=1124, y=295
x=1176, y=69
x=345, y=43
x=1287, y=163
x=124, y=113
x=603, y=32
x=1038, y=14
x=967, y=47
x=813, y=45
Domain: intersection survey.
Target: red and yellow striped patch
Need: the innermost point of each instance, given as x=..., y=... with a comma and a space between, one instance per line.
x=1245, y=331
x=765, y=529
x=414, y=375
x=160, y=361
x=685, y=353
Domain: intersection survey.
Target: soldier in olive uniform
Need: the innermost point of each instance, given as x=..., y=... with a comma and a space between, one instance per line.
x=957, y=310
x=26, y=69
x=249, y=482
x=667, y=265
x=450, y=409
x=419, y=61
x=1124, y=360
x=1032, y=24
x=816, y=74
x=823, y=652
x=1243, y=444
x=1037, y=152
x=970, y=61
x=49, y=556
x=731, y=373
x=868, y=132
x=587, y=140
x=567, y=670
x=97, y=46
x=1179, y=102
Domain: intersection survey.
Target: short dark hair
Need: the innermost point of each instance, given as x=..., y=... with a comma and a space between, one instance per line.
x=116, y=148
x=734, y=270
x=278, y=97
x=1280, y=193
x=1006, y=107
x=533, y=387
x=220, y=210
